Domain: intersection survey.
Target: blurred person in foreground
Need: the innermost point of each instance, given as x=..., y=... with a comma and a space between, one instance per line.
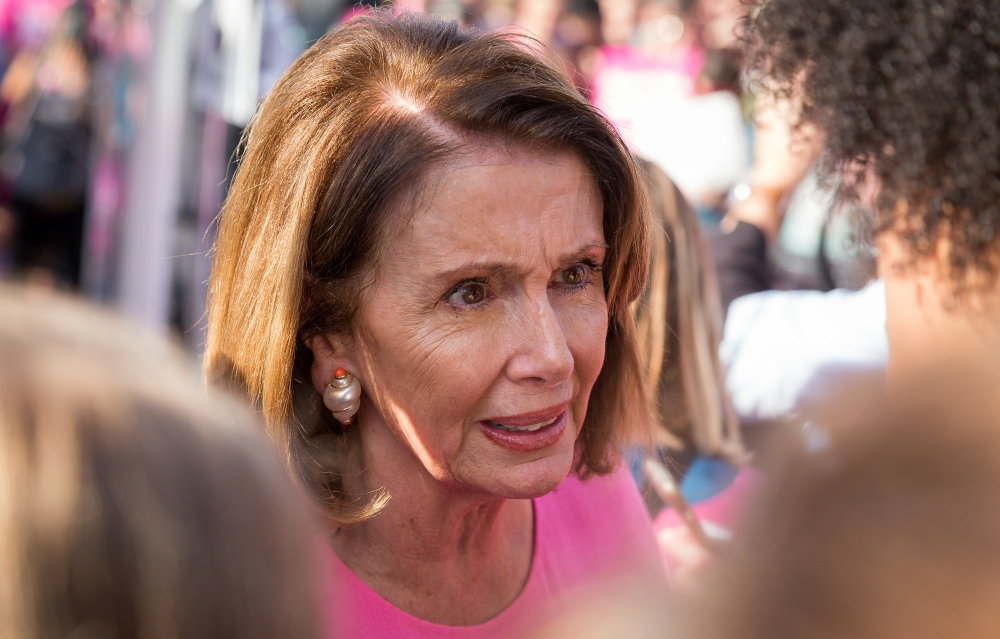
x=131, y=504
x=892, y=530
x=423, y=277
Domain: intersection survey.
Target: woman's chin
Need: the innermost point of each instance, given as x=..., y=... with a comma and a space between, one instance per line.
x=517, y=465
x=531, y=479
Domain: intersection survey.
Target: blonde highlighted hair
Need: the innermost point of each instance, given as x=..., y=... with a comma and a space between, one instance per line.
x=351, y=131
x=680, y=324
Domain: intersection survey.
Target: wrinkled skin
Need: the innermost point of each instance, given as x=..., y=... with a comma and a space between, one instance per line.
x=489, y=303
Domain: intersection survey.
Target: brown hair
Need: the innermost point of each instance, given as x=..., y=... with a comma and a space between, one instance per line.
x=356, y=124
x=890, y=531
x=680, y=323
x=130, y=503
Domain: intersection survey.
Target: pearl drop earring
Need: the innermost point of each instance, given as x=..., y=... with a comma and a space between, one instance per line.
x=343, y=396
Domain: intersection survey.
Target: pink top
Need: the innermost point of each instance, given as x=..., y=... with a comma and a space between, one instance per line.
x=584, y=532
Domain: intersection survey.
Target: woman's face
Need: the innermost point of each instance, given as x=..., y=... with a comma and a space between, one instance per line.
x=483, y=335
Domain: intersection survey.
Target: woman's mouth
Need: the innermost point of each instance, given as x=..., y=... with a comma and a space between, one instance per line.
x=526, y=432
x=520, y=429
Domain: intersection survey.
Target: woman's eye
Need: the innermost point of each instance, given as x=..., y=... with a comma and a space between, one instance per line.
x=574, y=275
x=469, y=293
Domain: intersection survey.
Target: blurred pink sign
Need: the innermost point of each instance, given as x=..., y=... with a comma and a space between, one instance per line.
x=628, y=84
x=26, y=23
x=699, y=140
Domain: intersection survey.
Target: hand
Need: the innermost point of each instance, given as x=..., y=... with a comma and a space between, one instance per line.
x=783, y=151
x=684, y=556
x=760, y=209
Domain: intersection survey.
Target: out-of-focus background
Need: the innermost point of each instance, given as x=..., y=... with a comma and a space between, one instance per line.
x=120, y=122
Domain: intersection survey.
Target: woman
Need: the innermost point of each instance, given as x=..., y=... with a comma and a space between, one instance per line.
x=422, y=277
x=905, y=95
x=130, y=503
x=680, y=324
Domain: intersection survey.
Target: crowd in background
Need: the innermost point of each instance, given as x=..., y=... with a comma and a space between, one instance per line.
x=84, y=79
x=121, y=123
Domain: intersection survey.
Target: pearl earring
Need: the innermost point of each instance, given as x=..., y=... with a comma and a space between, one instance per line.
x=343, y=396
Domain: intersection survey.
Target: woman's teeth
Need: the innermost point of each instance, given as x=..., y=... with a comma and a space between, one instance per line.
x=528, y=428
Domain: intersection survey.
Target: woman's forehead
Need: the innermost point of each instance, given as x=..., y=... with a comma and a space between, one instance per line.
x=504, y=205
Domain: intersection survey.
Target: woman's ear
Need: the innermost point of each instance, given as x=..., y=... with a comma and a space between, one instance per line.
x=329, y=354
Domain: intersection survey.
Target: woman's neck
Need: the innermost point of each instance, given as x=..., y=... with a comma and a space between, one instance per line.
x=437, y=551
x=930, y=328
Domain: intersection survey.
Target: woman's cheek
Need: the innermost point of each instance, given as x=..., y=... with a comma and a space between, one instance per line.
x=464, y=369
x=586, y=330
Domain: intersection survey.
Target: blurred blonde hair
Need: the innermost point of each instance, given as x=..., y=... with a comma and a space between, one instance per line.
x=132, y=505
x=680, y=326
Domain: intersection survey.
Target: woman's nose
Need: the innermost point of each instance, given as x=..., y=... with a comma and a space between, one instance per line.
x=541, y=352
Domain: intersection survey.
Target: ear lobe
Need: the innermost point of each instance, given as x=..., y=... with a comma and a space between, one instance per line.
x=329, y=354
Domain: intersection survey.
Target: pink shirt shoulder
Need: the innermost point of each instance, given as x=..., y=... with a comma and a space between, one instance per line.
x=586, y=532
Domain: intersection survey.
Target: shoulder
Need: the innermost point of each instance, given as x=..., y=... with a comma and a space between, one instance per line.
x=778, y=344
x=597, y=526
x=810, y=313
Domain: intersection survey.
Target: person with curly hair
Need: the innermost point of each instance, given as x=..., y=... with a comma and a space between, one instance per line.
x=897, y=102
x=905, y=96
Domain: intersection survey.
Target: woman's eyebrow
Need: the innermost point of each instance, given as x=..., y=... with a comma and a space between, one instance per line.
x=491, y=268
x=584, y=251
x=502, y=270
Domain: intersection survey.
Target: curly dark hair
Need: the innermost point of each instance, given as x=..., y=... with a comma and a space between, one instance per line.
x=909, y=89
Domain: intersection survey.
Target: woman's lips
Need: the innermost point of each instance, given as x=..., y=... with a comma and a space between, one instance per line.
x=525, y=436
